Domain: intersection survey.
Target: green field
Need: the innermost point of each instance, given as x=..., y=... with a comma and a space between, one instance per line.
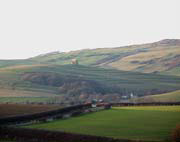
x=152, y=108
x=144, y=123
x=166, y=97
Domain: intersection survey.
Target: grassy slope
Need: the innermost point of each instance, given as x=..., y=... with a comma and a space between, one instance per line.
x=6, y=63
x=12, y=77
x=22, y=93
x=159, y=56
x=153, y=60
x=125, y=123
x=174, y=71
x=14, y=95
x=153, y=57
x=14, y=89
x=167, y=97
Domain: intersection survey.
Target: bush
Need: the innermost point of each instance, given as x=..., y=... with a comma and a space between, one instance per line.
x=176, y=134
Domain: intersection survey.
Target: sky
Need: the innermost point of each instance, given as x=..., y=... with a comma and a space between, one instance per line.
x=32, y=27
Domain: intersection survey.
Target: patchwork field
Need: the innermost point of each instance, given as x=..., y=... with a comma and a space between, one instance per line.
x=145, y=123
x=148, y=61
x=21, y=109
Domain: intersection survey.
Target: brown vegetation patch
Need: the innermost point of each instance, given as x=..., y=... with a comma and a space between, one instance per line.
x=21, y=109
x=176, y=133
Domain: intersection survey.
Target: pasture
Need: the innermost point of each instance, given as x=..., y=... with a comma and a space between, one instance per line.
x=138, y=123
x=166, y=97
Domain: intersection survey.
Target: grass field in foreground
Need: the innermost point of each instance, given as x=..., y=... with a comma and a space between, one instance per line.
x=122, y=122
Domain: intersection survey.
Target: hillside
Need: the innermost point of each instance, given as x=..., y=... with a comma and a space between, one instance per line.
x=77, y=83
x=104, y=73
x=166, y=97
x=174, y=71
x=158, y=57
x=148, y=58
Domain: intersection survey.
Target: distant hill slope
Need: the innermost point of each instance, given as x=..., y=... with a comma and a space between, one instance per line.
x=148, y=58
x=174, y=71
x=80, y=83
x=162, y=56
x=167, y=97
x=7, y=63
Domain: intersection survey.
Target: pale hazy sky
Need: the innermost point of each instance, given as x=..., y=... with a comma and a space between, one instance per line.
x=32, y=27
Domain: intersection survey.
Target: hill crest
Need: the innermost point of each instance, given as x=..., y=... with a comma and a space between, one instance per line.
x=158, y=57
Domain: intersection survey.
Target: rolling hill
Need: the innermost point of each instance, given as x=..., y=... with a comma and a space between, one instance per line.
x=154, y=57
x=166, y=97
x=77, y=83
x=104, y=73
x=158, y=57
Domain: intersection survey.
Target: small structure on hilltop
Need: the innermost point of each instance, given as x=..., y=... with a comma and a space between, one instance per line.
x=74, y=61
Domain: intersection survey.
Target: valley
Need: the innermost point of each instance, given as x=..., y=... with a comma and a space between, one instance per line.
x=128, y=75
x=78, y=83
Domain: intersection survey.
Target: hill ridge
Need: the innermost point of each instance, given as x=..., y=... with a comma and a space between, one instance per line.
x=158, y=57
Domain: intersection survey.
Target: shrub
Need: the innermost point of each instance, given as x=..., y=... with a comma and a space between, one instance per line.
x=176, y=134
